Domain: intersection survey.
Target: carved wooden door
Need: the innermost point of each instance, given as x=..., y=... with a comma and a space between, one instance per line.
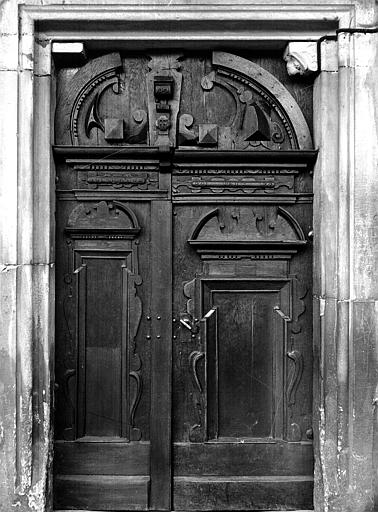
x=183, y=302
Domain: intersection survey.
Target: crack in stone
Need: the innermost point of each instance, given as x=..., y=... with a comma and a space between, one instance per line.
x=6, y=267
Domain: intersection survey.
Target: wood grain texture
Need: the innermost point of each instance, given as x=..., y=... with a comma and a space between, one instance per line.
x=238, y=459
x=89, y=458
x=161, y=313
x=101, y=492
x=242, y=493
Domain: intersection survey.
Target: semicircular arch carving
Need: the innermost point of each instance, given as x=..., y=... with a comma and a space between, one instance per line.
x=229, y=103
x=242, y=227
x=105, y=219
x=272, y=90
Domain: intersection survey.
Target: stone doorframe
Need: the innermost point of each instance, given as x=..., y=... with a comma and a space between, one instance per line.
x=345, y=219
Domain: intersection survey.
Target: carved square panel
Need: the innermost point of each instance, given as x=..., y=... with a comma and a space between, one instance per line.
x=163, y=87
x=114, y=129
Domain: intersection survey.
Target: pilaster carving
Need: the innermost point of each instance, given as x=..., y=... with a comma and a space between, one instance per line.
x=164, y=92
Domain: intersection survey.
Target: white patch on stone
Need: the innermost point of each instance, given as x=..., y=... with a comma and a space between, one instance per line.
x=301, y=58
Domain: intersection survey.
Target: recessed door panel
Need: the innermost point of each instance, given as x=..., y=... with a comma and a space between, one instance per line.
x=102, y=346
x=241, y=360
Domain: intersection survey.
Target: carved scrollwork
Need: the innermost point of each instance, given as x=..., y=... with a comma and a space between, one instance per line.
x=258, y=122
x=92, y=119
x=299, y=307
x=296, y=376
x=135, y=315
x=187, y=136
x=196, y=431
x=194, y=359
x=137, y=133
x=294, y=433
x=257, y=113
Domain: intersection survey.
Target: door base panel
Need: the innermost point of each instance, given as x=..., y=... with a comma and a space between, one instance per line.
x=243, y=493
x=104, y=458
x=101, y=492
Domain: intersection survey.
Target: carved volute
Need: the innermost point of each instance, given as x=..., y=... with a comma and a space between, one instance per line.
x=147, y=101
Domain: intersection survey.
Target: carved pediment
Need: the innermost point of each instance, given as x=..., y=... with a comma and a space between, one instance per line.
x=233, y=230
x=103, y=220
x=222, y=102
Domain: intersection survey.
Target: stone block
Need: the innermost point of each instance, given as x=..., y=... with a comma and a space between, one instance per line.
x=25, y=169
x=7, y=385
x=9, y=52
x=365, y=180
x=9, y=17
x=326, y=189
x=44, y=175
x=42, y=64
x=8, y=168
x=328, y=56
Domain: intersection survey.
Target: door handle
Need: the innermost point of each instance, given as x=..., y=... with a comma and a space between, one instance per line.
x=185, y=323
x=282, y=314
x=189, y=323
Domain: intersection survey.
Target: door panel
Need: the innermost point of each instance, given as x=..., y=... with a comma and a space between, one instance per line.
x=102, y=418
x=242, y=358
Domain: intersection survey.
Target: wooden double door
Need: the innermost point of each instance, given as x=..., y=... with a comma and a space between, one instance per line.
x=183, y=351
x=183, y=369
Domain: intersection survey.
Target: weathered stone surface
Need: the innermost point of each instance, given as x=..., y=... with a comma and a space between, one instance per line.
x=326, y=184
x=25, y=168
x=346, y=259
x=44, y=175
x=7, y=386
x=365, y=183
x=8, y=166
